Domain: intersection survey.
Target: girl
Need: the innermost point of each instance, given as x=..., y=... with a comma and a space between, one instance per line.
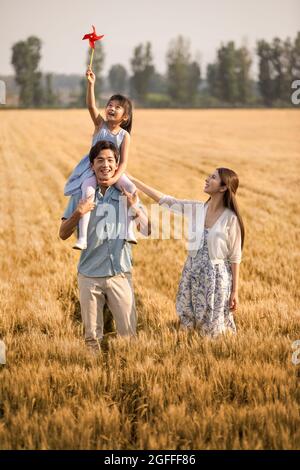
x=208, y=289
x=116, y=128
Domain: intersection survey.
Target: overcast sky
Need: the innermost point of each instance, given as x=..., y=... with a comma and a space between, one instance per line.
x=61, y=24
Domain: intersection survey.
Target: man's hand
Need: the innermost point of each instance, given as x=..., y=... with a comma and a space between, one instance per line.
x=91, y=77
x=233, y=301
x=84, y=206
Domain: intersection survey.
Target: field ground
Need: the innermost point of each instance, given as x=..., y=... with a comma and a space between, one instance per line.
x=168, y=389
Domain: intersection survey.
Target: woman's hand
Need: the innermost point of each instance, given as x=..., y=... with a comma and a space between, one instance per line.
x=91, y=77
x=233, y=301
x=84, y=206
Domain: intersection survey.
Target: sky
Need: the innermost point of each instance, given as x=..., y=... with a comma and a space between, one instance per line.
x=61, y=24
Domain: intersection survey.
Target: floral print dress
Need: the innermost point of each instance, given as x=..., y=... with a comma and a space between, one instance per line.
x=203, y=294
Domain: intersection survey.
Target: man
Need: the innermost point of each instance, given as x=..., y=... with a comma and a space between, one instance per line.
x=104, y=269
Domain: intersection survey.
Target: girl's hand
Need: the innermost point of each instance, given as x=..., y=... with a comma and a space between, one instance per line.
x=84, y=206
x=132, y=199
x=233, y=301
x=91, y=77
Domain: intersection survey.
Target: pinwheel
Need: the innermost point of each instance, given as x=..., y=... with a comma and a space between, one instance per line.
x=92, y=37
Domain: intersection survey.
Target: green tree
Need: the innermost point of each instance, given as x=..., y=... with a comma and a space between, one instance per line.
x=143, y=69
x=194, y=77
x=227, y=73
x=212, y=77
x=26, y=56
x=276, y=61
x=118, y=78
x=229, y=78
x=266, y=72
x=183, y=76
x=243, y=65
x=295, y=60
x=50, y=98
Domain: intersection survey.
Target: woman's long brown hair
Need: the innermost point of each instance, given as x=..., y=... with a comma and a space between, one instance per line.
x=230, y=179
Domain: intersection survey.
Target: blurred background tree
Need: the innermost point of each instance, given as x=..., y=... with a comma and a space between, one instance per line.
x=229, y=77
x=142, y=70
x=118, y=78
x=183, y=75
x=26, y=56
x=228, y=80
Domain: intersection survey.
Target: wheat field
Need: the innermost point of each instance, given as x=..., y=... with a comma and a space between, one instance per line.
x=168, y=389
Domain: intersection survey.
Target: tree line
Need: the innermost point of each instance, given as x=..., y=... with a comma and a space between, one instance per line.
x=228, y=80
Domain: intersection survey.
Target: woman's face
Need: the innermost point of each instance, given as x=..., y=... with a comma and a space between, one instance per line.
x=212, y=183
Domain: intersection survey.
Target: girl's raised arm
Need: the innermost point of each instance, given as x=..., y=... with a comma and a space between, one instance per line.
x=90, y=98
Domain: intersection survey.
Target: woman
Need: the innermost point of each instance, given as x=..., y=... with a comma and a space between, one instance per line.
x=208, y=289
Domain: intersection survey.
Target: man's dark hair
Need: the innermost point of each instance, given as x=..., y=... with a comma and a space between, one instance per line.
x=103, y=145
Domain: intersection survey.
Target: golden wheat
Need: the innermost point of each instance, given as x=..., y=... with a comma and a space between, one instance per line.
x=167, y=389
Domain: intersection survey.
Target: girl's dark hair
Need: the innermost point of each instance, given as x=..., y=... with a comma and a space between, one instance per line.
x=230, y=179
x=103, y=145
x=127, y=105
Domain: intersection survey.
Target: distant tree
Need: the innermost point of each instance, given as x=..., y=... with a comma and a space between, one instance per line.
x=296, y=58
x=50, y=98
x=227, y=73
x=26, y=56
x=158, y=83
x=276, y=68
x=212, y=77
x=118, y=78
x=244, y=84
x=266, y=72
x=277, y=50
x=97, y=67
x=229, y=78
x=194, y=79
x=142, y=69
x=183, y=76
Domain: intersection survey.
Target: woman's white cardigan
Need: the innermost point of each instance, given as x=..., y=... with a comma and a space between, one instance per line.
x=224, y=237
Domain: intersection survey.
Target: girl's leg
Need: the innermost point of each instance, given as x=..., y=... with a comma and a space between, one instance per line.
x=88, y=188
x=124, y=182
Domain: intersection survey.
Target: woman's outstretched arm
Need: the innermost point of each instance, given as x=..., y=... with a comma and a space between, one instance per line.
x=151, y=192
x=178, y=206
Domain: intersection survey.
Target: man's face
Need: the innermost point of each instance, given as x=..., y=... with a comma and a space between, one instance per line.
x=104, y=165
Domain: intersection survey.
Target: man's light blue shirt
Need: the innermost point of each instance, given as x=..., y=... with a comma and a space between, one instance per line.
x=107, y=252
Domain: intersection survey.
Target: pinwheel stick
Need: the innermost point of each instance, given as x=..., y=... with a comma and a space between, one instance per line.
x=92, y=56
